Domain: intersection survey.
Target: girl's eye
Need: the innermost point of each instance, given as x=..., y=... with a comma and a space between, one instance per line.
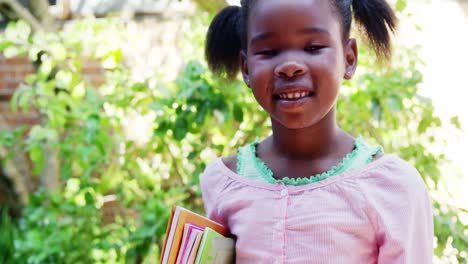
x=267, y=52
x=313, y=48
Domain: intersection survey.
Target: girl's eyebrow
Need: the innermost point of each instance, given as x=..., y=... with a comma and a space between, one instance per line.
x=261, y=36
x=313, y=30
x=308, y=30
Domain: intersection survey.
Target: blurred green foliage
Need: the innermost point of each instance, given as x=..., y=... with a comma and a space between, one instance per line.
x=192, y=119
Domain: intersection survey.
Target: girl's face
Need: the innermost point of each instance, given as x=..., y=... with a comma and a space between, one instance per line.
x=296, y=59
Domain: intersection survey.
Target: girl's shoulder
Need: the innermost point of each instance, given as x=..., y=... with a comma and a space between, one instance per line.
x=217, y=170
x=393, y=166
x=230, y=162
x=390, y=173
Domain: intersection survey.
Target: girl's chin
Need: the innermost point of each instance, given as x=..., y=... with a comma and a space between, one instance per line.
x=293, y=106
x=295, y=124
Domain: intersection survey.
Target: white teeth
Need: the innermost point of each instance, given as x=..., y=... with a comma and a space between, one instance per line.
x=294, y=95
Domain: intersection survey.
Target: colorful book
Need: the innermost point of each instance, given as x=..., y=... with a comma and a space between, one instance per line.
x=175, y=229
x=194, y=251
x=215, y=248
x=188, y=239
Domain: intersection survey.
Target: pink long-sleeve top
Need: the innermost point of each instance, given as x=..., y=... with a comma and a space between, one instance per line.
x=379, y=213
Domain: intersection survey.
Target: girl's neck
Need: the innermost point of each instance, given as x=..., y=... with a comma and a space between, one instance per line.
x=316, y=142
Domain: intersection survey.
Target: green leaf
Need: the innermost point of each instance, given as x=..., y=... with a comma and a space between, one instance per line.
x=201, y=114
x=18, y=32
x=14, y=102
x=45, y=69
x=23, y=30
x=33, y=53
x=5, y=44
x=112, y=60
x=193, y=155
x=58, y=51
x=79, y=91
x=139, y=87
x=395, y=104
x=25, y=101
x=455, y=121
x=11, y=51
x=89, y=198
x=38, y=160
x=400, y=5
x=63, y=79
x=180, y=129
x=238, y=113
x=30, y=78
x=157, y=106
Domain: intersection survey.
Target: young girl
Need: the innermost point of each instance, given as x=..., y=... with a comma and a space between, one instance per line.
x=310, y=192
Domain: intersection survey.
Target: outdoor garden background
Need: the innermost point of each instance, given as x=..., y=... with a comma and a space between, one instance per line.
x=108, y=115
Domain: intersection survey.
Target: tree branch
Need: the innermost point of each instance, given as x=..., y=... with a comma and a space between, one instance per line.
x=16, y=169
x=24, y=14
x=40, y=10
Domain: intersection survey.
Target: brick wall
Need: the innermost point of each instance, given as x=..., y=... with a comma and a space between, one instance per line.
x=12, y=73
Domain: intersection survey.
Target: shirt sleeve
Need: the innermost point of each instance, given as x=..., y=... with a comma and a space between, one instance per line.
x=401, y=211
x=211, y=184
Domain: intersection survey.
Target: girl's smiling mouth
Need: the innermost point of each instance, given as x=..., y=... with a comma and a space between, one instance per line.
x=293, y=95
x=293, y=100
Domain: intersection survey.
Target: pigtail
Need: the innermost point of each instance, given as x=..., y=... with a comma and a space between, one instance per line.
x=378, y=20
x=223, y=43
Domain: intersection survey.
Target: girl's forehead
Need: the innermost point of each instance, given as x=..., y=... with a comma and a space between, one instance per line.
x=266, y=5
x=278, y=15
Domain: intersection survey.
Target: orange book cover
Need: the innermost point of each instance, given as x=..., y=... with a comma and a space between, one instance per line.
x=167, y=233
x=175, y=229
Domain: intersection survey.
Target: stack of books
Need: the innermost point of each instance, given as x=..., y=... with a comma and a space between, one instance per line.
x=192, y=238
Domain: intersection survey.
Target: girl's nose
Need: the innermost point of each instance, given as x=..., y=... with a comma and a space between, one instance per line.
x=290, y=69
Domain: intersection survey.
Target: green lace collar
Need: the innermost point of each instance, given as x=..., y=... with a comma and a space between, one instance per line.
x=361, y=153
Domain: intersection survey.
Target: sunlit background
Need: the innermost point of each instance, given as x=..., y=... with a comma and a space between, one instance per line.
x=138, y=144
x=441, y=30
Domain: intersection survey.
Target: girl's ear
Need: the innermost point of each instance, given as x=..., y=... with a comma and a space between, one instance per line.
x=351, y=58
x=244, y=67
